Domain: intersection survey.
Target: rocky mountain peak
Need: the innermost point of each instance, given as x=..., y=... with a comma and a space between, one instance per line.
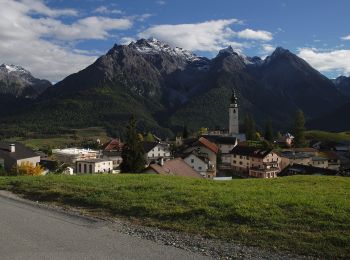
x=10, y=68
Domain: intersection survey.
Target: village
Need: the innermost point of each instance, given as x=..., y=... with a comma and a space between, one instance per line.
x=212, y=154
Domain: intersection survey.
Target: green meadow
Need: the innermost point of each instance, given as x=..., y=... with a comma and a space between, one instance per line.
x=308, y=215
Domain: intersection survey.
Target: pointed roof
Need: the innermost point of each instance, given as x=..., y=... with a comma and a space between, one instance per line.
x=233, y=97
x=113, y=145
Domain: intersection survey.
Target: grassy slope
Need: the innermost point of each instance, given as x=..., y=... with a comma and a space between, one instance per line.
x=64, y=140
x=304, y=214
x=328, y=136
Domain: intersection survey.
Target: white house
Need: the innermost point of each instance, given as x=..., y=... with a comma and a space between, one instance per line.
x=155, y=151
x=200, y=164
x=13, y=154
x=94, y=166
x=70, y=156
x=205, y=149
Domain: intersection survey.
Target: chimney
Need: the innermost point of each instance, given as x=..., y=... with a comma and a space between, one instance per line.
x=12, y=148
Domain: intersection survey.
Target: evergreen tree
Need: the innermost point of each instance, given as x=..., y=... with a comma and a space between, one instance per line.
x=149, y=137
x=268, y=135
x=249, y=126
x=299, y=129
x=133, y=153
x=185, y=132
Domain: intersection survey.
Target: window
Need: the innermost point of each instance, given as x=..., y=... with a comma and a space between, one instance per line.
x=199, y=168
x=234, y=111
x=79, y=167
x=158, y=149
x=85, y=168
x=192, y=160
x=90, y=168
x=240, y=163
x=241, y=157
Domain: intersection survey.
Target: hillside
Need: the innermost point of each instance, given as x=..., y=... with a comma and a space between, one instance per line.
x=169, y=87
x=301, y=214
x=343, y=84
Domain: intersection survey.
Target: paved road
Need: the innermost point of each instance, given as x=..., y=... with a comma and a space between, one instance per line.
x=31, y=232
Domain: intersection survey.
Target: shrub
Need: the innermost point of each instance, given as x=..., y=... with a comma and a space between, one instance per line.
x=27, y=168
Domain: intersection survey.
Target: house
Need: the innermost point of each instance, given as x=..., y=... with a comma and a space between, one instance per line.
x=290, y=158
x=13, y=154
x=70, y=156
x=154, y=151
x=224, y=143
x=204, y=148
x=298, y=169
x=177, y=167
x=319, y=162
x=94, y=166
x=333, y=158
x=112, y=151
x=286, y=140
x=254, y=162
x=200, y=163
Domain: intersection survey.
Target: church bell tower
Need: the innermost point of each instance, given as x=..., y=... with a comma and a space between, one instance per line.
x=233, y=115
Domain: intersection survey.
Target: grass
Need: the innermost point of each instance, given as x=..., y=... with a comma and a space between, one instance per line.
x=327, y=136
x=63, y=140
x=302, y=214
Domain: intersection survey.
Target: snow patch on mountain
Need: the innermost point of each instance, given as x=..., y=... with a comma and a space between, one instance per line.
x=12, y=68
x=153, y=46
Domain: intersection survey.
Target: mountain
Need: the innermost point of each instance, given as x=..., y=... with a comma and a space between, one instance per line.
x=335, y=121
x=273, y=88
x=18, y=82
x=169, y=87
x=343, y=84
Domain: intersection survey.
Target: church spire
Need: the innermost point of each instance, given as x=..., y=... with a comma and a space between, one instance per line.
x=233, y=97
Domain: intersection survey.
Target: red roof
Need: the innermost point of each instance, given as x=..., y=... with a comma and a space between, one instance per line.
x=206, y=143
x=113, y=145
x=177, y=167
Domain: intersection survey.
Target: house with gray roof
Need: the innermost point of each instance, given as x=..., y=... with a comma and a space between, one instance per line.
x=13, y=154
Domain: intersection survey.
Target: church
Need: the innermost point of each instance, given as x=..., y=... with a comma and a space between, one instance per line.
x=233, y=122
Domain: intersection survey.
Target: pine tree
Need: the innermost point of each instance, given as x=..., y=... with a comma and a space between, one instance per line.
x=133, y=153
x=299, y=129
x=185, y=132
x=268, y=135
x=249, y=125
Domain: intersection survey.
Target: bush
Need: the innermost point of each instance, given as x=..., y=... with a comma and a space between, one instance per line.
x=27, y=168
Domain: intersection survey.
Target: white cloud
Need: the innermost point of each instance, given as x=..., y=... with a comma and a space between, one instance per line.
x=255, y=35
x=267, y=48
x=327, y=61
x=43, y=43
x=105, y=10
x=346, y=38
x=93, y=27
x=161, y=2
x=127, y=40
x=206, y=36
x=37, y=6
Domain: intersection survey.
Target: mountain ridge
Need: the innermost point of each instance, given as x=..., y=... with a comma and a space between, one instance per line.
x=170, y=87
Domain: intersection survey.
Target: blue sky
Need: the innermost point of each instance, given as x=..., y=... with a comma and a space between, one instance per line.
x=54, y=38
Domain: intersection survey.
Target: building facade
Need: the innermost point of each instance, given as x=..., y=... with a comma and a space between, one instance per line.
x=70, y=156
x=254, y=162
x=94, y=166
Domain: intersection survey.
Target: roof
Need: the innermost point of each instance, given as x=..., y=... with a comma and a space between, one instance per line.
x=148, y=146
x=305, y=150
x=202, y=142
x=113, y=145
x=218, y=139
x=177, y=167
x=202, y=157
x=330, y=155
x=250, y=151
x=94, y=160
x=21, y=152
